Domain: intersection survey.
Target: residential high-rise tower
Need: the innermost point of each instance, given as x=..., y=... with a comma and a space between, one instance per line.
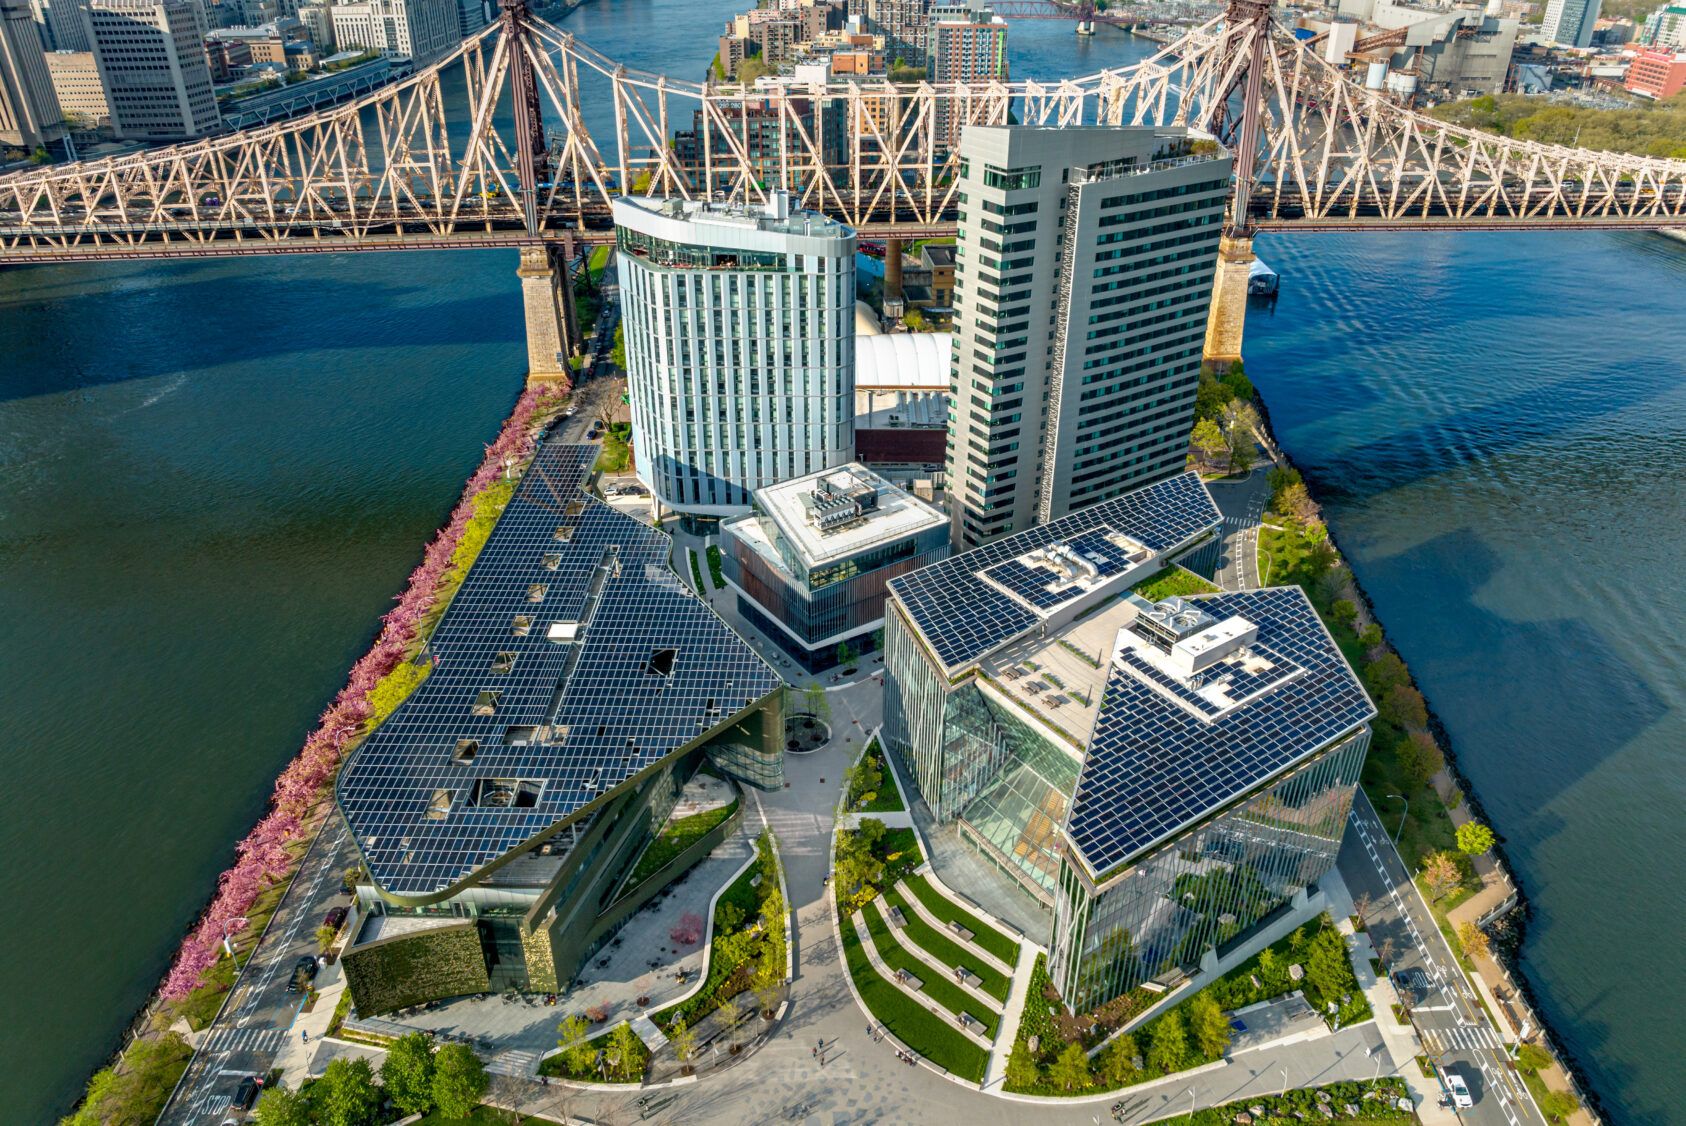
x=1082, y=282
x=29, y=111
x=740, y=347
x=1570, y=22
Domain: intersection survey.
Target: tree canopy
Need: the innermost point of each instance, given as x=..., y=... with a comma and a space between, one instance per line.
x=1474, y=838
x=459, y=1081
x=1647, y=129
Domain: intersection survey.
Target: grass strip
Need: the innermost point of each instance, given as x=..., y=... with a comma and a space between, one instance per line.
x=935, y=985
x=984, y=936
x=675, y=838
x=908, y=1021
x=696, y=571
x=946, y=951
x=714, y=571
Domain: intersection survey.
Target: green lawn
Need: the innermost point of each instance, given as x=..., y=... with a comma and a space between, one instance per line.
x=946, y=951
x=1173, y=582
x=696, y=571
x=984, y=936
x=934, y=985
x=886, y=798
x=714, y=571
x=675, y=838
x=913, y=1025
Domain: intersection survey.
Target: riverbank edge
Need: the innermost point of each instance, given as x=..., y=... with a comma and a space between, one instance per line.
x=339, y=732
x=1508, y=954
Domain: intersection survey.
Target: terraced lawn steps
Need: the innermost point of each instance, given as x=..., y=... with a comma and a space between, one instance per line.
x=937, y=982
x=925, y=998
x=987, y=943
x=948, y=951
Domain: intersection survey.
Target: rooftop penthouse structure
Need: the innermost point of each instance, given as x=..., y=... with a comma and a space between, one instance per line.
x=1160, y=777
x=575, y=686
x=811, y=563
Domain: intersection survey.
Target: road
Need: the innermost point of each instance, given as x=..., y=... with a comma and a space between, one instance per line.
x=1242, y=504
x=259, y=1015
x=1455, y=1029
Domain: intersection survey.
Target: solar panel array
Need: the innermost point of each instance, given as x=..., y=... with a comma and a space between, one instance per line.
x=1032, y=583
x=962, y=617
x=1153, y=769
x=652, y=668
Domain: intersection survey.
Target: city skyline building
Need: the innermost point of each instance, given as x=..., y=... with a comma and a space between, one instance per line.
x=76, y=83
x=61, y=24
x=1570, y=22
x=29, y=109
x=740, y=347
x=152, y=64
x=966, y=43
x=810, y=565
x=1083, y=278
x=1156, y=779
x=418, y=30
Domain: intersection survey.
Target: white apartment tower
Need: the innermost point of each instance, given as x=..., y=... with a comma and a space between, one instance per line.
x=1082, y=281
x=419, y=30
x=151, y=58
x=740, y=347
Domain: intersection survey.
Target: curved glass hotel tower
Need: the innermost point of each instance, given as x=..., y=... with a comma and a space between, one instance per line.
x=740, y=347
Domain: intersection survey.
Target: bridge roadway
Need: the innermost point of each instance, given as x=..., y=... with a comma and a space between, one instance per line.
x=499, y=224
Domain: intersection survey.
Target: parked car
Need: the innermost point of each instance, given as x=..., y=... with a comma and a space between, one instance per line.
x=304, y=972
x=1413, y=985
x=1459, y=1090
x=335, y=918
x=246, y=1094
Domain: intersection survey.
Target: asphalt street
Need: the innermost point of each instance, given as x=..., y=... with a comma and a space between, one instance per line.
x=1456, y=1032
x=1242, y=504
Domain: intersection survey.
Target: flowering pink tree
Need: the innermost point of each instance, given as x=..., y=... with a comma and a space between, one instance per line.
x=689, y=931
x=265, y=857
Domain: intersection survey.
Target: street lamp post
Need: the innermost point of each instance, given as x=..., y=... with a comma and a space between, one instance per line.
x=1284, y=1093
x=1191, y=1104
x=1402, y=815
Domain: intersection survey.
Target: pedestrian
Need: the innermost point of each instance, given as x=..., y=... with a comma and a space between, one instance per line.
x=813, y=1053
x=304, y=1036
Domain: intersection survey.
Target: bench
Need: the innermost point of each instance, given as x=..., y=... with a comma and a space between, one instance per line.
x=960, y=930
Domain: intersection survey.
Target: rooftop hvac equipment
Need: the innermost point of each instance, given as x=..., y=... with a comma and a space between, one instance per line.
x=839, y=499
x=1171, y=621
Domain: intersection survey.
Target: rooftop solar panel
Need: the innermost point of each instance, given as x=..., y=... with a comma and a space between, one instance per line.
x=1154, y=767
x=962, y=617
x=571, y=659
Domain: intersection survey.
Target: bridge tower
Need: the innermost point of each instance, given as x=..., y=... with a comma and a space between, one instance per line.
x=1247, y=28
x=547, y=289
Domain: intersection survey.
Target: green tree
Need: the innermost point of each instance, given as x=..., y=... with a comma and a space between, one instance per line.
x=281, y=1107
x=577, y=1053
x=1118, y=1062
x=1404, y=706
x=1474, y=838
x=1167, y=1048
x=753, y=68
x=1385, y=672
x=626, y=1052
x=815, y=702
x=768, y=978
x=1295, y=503
x=325, y=936
x=730, y=1012
x=459, y=1081
x=684, y=1039
x=729, y=916
x=1241, y=454
x=346, y=1095
x=1473, y=939
x=407, y=1073
x=617, y=352
x=1211, y=397
x=1021, y=1069
x=1532, y=1058
x=1344, y=611
x=1280, y=478
x=1208, y=1026
x=1419, y=757
x=1370, y=636
x=1557, y=1106
x=1208, y=440
x=1070, y=1069
x=1236, y=382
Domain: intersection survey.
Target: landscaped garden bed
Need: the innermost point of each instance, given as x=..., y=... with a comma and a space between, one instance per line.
x=677, y=836
x=984, y=936
x=872, y=786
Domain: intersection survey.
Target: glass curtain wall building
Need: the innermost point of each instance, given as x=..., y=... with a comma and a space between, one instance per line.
x=740, y=347
x=1161, y=777
x=1083, y=276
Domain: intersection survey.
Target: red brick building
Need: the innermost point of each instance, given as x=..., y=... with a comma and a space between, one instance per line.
x=1657, y=73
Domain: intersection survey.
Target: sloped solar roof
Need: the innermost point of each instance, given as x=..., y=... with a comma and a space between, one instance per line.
x=962, y=617
x=617, y=658
x=1155, y=767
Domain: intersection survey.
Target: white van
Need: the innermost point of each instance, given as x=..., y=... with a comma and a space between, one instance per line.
x=1460, y=1090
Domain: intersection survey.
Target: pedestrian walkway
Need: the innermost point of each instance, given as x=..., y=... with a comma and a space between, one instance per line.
x=995, y=1073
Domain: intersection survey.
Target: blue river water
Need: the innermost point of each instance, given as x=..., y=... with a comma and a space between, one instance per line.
x=217, y=474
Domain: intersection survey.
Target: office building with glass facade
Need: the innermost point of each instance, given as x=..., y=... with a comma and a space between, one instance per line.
x=740, y=347
x=811, y=564
x=1161, y=778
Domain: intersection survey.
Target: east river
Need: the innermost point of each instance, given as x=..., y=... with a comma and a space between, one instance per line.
x=214, y=476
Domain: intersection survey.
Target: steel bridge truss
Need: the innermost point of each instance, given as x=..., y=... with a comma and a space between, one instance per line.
x=389, y=170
